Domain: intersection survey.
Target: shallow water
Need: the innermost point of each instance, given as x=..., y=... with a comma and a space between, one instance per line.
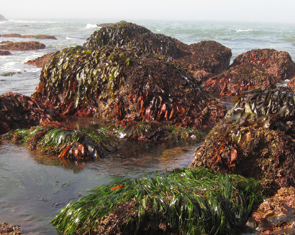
x=33, y=188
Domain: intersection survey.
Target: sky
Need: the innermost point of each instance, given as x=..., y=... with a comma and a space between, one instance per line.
x=279, y=11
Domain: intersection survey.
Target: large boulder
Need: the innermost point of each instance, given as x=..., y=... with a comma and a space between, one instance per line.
x=240, y=78
x=255, y=139
x=21, y=46
x=20, y=111
x=278, y=63
x=126, y=85
x=202, y=60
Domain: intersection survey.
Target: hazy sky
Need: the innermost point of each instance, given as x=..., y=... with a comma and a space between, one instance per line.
x=223, y=10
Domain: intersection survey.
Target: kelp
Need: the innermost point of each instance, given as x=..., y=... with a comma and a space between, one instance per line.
x=187, y=201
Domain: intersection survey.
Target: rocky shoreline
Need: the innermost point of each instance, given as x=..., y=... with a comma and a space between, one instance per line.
x=150, y=87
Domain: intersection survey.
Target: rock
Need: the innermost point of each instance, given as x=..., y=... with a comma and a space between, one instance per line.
x=5, y=53
x=123, y=84
x=2, y=18
x=276, y=214
x=278, y=63
x=40, y=61
x=239, y=78
x=20, y=111
x=8, y=229
x=202, y=59
x=21, y=46
x=255, y=139
x=39, y=36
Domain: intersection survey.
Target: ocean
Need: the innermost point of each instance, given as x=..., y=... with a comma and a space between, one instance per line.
x=33, y=188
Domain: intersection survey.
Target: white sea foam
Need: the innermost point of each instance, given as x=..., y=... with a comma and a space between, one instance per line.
x=91, y=26
x=243, y=30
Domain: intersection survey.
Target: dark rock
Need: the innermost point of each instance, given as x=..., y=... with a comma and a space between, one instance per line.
x=39, y=36
x=5, y=53
x=202, y=59
x=20, y=111
x=21, y=46
x=2, y=18
x=123, y=84
x=278, y=63
x=239, y=78
x=40, y=61
x=255, y=139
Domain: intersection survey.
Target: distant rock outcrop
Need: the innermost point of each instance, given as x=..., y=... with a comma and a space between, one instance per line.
x=21, y=46
x=5, y=53
x=38, y=36
x=2, y=18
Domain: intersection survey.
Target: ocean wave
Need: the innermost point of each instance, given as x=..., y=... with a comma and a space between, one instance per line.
x=91, y=26
x=243, y=30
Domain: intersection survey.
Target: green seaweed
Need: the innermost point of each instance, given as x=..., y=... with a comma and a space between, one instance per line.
x=188, y=201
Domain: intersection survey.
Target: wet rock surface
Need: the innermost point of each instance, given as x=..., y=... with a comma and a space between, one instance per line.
x=40, y=61
x=200, y=59
x=123, y=84
x=20, y=111
x=240, y=78
x=255, y=139
x=38, y=36
x=21, y=46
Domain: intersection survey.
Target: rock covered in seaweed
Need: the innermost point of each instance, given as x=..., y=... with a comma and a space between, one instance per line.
x=123, y=84
x=255, y=139
x=202, y=59
x=21, y=46
x=240, y=78
x=278, y=63
x=20, y=111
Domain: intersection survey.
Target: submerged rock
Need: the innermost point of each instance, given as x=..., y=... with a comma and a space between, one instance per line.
x=40, y=61
x=21, y=46
x=278, y=63
x=240, y=78
x=202, y=59
x=20, y=111
x=126, y=85
x=255, y=139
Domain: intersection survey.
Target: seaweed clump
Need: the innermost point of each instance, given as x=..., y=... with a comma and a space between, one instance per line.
x=188, y=201
x=255, y=139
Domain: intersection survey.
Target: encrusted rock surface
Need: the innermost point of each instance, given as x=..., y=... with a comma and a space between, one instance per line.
x=239, y=78
x=278, y=63
x=21, y=46
x=255, y=139
x=276, y=215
